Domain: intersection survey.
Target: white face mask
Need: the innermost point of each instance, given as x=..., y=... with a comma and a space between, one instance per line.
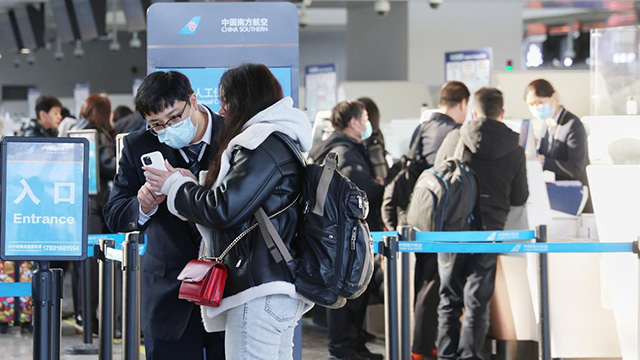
x=542, y=112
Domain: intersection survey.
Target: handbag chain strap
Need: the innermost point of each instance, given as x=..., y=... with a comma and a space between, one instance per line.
x=226, y=251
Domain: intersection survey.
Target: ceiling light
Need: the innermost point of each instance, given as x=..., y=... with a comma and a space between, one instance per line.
x=25, y=51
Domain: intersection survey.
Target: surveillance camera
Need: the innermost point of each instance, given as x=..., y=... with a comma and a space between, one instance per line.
x=382, y=7
x=135, y=42
x=303, y=20
x=58, y=55
x=114, y=46
x=16, y=63
x=435, y=3
x=31, y=60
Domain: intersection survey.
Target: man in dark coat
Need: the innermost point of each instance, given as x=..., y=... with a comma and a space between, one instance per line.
x=184, y=133
x=426, y=140
x=48, y=117
x=349, y=118
x=500, y=166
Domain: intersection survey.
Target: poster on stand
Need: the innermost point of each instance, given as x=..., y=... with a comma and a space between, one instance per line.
x=321, y=88
x=472, y=67
x=81, y=92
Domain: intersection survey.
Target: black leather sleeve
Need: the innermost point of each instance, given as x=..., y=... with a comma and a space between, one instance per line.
x=252, y=179
x=122, y=210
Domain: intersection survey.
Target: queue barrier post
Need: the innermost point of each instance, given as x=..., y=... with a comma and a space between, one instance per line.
x=42, y=283
x=131, y=296
x=405, y=233
x=544, y=344
x=105, y=305
x=56, y=311
x=390, y=251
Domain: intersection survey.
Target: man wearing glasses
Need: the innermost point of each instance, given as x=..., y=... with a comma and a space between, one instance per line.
x=184, y=133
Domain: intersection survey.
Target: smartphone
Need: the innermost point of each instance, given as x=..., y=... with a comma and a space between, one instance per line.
x=154, y=160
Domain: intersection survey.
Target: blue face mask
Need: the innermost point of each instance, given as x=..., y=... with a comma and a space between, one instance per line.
x=368, y=130
x=541, y=112
x=179, y=137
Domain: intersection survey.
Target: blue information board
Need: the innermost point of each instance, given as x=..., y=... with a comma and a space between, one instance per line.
x=94, y=169
x=202, y=40
x=206, y=82
x=44, y=199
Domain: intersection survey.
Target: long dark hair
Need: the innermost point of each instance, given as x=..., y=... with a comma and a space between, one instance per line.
x=245, y=91
x=97, y=109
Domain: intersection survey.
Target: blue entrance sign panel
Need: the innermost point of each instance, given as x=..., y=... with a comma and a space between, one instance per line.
x=44, y=199
x=94, y=169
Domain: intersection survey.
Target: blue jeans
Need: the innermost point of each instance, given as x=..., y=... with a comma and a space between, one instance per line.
x=263, y=328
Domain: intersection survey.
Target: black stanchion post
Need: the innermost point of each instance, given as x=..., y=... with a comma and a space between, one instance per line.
x=131, y=297
x=544, y=345
x=406, y=233
x=105, y=333
x=87, y=317
x=42, y=288
x=56, y=312
x=391, y=296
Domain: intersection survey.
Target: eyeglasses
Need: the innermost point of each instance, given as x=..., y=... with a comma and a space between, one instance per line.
x=174, y=122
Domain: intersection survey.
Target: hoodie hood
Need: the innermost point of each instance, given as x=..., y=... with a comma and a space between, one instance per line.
x=281, y=117
x=338, y=138
x=489, y=139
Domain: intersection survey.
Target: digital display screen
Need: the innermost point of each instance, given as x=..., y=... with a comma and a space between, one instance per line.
x=206, y=82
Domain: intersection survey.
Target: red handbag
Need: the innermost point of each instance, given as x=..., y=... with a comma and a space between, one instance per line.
x=203, y=282
x=203, y=279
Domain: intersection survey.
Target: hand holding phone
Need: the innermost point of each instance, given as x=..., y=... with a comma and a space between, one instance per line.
x=154, y=160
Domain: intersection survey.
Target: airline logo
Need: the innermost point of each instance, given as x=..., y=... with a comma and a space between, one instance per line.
x=191, y=27
x=516, y=248
x=492, y=237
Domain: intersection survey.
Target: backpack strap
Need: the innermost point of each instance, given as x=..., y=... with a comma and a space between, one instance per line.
x=292, y=145
x=330, y=166
x=272, y=239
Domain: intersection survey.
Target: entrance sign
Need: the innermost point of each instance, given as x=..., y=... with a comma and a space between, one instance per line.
x=94, y=168
x=202, y=40
x=44, y=199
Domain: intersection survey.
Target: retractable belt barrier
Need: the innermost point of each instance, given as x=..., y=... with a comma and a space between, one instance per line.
x=127, y=253
x=396, y=246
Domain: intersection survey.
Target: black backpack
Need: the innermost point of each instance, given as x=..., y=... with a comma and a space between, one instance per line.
x=334, y=250
x=446, y=197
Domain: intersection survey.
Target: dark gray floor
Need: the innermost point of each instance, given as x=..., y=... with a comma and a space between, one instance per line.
x=17, y=346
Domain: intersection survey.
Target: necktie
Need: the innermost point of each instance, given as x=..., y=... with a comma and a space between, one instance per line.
x=193, y=152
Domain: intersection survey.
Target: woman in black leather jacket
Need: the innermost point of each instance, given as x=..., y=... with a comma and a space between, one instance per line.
x=254, y=169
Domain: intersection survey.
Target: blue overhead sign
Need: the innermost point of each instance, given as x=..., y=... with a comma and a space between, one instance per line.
x=202, y=40
x=44, y=199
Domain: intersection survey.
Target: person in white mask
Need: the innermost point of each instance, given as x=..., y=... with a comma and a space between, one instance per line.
x=563, y=145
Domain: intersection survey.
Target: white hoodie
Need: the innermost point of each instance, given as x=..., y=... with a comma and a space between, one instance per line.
x=281, y=117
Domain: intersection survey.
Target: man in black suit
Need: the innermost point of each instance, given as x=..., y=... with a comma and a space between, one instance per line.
x=184, y=133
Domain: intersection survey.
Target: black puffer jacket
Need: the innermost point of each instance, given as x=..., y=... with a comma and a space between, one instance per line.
x=269, y=177
x=354, y=164
x=34, y=129
x=377, y=154
x=499, y=163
